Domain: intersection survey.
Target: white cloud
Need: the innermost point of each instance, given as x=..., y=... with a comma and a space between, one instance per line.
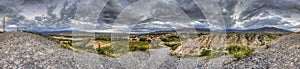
x=12, y=26
x=104, y=30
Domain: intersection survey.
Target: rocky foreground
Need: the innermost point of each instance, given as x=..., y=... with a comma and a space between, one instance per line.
x=25, y=50
x=282, y=54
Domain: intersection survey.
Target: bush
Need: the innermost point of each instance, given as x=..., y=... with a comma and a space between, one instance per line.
x=266, y=47
x=66, y=45
x=104, y=50
x=144, y=40
x=171, y=39
x=239, y=51
x=139, y=46
x=173, y=45
x=205, y=52
x=175, y=54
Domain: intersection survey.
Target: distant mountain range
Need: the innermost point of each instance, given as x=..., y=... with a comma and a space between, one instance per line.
x=264, y=29
x=58, y=32
x=68, y=32
x=267, y=29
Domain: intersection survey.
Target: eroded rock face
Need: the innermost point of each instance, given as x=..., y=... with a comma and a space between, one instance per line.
x=254, y=40
x=283, y=53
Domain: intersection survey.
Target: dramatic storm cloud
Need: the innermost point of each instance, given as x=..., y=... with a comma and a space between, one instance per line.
x=63, y=14
x=38, y=14
x=260, y=13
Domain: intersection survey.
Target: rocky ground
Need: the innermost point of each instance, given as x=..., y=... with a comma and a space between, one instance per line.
x=26, y=50
x=282, y=54
x=253, y=40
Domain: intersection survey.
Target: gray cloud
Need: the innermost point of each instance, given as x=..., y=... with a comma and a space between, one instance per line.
x=238, y=14
x=260, y=13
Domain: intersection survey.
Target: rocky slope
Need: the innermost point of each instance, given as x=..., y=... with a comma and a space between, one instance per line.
x=254, y=40
x=26, y=50
x=283, y=53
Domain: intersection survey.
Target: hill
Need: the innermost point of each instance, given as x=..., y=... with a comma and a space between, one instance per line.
x=207, y=41
x=282, y=53
x=267, y=29
x=27, y=50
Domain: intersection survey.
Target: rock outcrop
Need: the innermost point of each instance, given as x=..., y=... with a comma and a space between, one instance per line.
x=282, y=53
x=206, y=41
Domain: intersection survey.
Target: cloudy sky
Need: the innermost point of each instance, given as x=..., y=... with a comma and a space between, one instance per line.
x=146, y=15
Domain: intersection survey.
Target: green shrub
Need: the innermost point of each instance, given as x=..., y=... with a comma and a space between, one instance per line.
x=104, y=50
x=66, y=45
x=171, y=38
x=68, y=36
x=239, y=51
x=173, y=45
x=139, y=46
x=267, y=47
x=144, y=40
x=270, y=40
x=103, y=37
x=205, y=52
x=175, y=54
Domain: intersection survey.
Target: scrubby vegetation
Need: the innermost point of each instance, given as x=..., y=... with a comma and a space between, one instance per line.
x=66, y=45
x=103, y=37
x=144, y=40
x=211, y=54
x=170, y=38
x=205, y=52
x=175, y=55
x=234, y=50
x=173, y=45
x=239, y=51
x=102, y=44
x=172, y=41
x=105, y=51
x=267, y=47
x=118, y=48
x=139, y=46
